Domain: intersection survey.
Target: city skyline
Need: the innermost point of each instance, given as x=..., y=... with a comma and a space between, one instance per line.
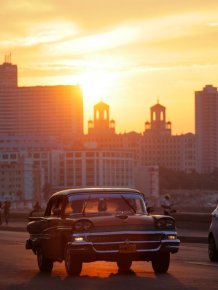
x=128, y=56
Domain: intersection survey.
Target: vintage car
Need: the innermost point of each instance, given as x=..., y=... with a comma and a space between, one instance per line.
x=101, y=224
x=213, y=237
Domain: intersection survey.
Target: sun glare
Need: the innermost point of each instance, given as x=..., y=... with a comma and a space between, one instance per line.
x=95, y=86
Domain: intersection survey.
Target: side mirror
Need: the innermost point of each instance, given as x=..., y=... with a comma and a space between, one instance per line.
x=150, y=209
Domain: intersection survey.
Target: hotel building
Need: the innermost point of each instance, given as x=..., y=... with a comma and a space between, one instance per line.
x=160, y=147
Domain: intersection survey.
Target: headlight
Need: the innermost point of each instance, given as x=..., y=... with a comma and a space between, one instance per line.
x=79, y=239
x=165, y=223
x=171, y=237
x=83, y=225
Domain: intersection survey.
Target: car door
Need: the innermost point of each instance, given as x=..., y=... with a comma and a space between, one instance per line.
x=54, y=231
x=215, y=225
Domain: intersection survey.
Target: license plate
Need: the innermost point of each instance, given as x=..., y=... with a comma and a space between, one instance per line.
x=127, y=248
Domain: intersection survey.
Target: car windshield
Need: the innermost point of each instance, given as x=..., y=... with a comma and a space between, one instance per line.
x=105, y=203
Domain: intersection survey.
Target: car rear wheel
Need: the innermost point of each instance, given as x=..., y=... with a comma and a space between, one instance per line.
x=212, y=250
x=161, y=262
x=124, y=265
x=44, y=264
x=73, y=265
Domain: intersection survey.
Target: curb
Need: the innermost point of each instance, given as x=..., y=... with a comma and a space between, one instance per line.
x=13, y=229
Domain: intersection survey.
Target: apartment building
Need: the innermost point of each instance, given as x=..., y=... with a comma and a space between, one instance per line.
x=21, y=179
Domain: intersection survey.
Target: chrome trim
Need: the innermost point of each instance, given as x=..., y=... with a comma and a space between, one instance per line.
x=117, y=251
x=170, y=244
x=58, y=227
x=40, y=236
x=168, y=240
x=125, y=242
x=124, y=233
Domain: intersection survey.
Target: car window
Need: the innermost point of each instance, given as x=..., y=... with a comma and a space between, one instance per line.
x=54, y=207
x=104, y=203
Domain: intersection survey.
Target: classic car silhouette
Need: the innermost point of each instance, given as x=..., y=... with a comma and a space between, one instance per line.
x=101, y=224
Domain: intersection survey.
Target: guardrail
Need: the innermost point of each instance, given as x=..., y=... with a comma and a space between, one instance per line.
x=198, y=221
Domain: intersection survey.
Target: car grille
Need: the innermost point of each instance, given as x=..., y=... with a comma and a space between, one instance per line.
x=124, y=237
x=111, y=242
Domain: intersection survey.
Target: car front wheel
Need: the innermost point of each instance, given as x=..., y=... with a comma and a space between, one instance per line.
x=212, y=251
x=161, y=262
x=44, y=264
x=73, y=265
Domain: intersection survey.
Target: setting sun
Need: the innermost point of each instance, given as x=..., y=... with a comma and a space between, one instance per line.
x=95, y=86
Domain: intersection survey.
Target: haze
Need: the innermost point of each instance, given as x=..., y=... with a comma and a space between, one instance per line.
x=128, y=53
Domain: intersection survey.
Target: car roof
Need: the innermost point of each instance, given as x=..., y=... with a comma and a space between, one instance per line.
x=95, y=190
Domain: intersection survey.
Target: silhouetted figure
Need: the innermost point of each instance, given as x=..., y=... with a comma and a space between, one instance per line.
x=36, y=208
x=102, y=205
x=167, y=205
x=0, y=212
x=77, y=206
x=6, y=210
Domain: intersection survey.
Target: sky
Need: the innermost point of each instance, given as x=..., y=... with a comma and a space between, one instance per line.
x=127, y=53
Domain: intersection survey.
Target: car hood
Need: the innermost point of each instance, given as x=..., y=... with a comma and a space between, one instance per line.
x=121, y=222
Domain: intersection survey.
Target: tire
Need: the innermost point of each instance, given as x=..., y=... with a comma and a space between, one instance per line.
x=212, y=250
x=73, y=265
x=124, y=265
x=45, y=265
x=161, y=262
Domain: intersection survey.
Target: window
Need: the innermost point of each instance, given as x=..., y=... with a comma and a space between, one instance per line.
x=54, y=207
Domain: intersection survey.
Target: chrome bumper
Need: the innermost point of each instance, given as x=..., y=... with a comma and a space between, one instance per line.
x=81, y=243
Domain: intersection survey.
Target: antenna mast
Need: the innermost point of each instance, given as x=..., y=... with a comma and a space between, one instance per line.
x=8, y=58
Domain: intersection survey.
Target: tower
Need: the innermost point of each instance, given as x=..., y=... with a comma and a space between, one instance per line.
x=102, y=123
x=8, y=74
x=206, y=128
x=158, y=124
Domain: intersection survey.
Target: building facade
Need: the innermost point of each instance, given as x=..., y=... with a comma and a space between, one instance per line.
x=21, y=180
x=206, y=128
x=24, y=174
x=160, y=147
x=42, y=141
x=92, y=168
x=51, y=111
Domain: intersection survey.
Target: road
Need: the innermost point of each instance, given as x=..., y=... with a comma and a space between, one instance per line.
x=190, y=269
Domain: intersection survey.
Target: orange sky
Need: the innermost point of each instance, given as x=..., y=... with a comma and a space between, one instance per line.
x=128, y=53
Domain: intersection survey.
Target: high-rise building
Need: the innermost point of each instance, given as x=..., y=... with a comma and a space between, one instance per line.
x=206, y=128
x=8, y=74
x=52, y=111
